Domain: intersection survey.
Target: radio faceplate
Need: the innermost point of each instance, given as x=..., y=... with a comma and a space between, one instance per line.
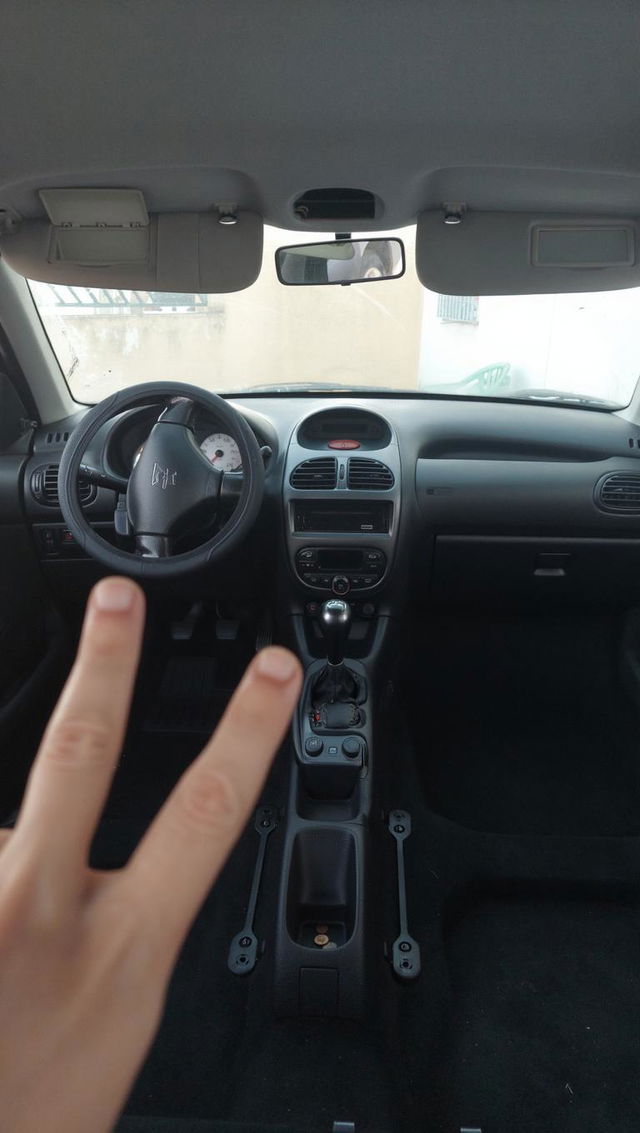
x=357, y=517
x=340, y=569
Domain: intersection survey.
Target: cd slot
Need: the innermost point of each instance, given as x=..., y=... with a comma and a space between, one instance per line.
x=370, y=517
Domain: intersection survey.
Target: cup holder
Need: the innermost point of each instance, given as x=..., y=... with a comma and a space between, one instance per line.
x=322, y=892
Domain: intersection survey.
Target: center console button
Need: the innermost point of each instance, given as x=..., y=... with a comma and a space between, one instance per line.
x=351, y=747
x=369, y=580
x=313, y=745
x=341, y=585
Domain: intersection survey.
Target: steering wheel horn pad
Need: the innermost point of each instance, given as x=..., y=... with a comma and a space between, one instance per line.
x=172, y=485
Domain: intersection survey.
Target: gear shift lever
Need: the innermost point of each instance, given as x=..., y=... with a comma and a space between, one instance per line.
x=337, y=684
x=335, y=620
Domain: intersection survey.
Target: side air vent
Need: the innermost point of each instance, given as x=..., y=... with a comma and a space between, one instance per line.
x=369, y=475
x=57, y=438
x=316, y=475
x=44, y=485
x=620, y=492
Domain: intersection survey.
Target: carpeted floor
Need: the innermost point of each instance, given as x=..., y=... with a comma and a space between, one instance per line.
x=514, y=748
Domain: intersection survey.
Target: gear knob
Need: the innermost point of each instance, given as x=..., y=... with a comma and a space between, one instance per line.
x=335, y=620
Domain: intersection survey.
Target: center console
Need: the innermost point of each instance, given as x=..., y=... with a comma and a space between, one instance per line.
x=342, y=502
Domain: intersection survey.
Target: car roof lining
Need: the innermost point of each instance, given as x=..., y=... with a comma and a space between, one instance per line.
x=507, y=104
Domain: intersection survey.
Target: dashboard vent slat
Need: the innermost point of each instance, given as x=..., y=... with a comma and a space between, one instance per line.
x=44, y=485
x=316, y=475
x=620, y=492
x=369, y=475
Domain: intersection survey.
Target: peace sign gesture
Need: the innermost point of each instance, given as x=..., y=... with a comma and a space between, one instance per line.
x=85, y=956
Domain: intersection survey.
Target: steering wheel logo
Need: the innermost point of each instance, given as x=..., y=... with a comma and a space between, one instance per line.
x=165, y=477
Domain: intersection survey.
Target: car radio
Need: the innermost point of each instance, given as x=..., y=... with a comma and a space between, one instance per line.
x=340, y=569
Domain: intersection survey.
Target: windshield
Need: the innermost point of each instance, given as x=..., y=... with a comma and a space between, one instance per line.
x=388, y=335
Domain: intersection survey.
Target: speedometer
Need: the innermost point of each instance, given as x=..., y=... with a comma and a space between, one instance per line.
x=222, y=451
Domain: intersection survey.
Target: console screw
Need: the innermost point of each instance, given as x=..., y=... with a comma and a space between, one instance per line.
x=405, y=946
x=406, y=964
x=242, y=959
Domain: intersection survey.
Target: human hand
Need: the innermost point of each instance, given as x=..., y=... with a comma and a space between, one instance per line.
x=86, y=956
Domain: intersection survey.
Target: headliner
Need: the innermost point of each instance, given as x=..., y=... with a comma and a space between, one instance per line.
x=505, y=104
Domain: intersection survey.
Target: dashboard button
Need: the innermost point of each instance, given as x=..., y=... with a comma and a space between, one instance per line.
x=373, y=556
x=340, y=585
x=351, y=747
x=313, y=745
x=369, y=580
x=308, y=553
x=325, y=580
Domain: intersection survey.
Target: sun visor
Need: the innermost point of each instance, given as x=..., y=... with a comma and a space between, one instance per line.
x=106, y=238
x=498, y=253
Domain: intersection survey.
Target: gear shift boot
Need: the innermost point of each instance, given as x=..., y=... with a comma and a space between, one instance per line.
x=337, y=684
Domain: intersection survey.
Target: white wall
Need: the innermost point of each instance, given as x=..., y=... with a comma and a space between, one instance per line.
x=586, y=344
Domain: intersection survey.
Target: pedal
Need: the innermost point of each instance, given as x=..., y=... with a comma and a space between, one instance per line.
x=405, y=951
x=243, y=951
x=264, y=632
x=183, y=630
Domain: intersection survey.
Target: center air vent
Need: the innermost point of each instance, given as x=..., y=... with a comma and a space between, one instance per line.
x=620, y=492
x=316, y=475
x=44, y=485
x=369, y=475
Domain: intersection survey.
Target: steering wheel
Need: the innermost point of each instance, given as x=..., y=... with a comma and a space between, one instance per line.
x=172, y=490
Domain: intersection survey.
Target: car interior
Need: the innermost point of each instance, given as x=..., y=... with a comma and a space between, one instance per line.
x=321, y=322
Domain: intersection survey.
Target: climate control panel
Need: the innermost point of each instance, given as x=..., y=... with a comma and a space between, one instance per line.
x=340, y=569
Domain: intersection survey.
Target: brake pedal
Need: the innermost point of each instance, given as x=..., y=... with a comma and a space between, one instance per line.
x=243, y=951
x=405, y=951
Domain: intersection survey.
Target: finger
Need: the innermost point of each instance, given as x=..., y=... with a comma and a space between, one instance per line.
x=72, y=772
x=185, y=847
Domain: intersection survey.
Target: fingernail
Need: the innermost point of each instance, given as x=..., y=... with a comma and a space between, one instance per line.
x=114, y=595
x=277, y=664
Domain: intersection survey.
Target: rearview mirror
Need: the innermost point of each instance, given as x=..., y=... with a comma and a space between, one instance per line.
x=340, y=261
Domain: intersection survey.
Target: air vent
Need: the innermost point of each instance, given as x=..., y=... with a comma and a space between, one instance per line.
x=369, y=475
x=57, y=438
x=620, y=492
x=44, y=485
x=316, y=475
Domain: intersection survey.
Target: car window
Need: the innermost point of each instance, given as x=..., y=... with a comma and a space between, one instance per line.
x=382, y=335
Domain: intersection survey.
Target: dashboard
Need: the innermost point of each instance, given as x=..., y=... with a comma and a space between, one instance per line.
x=384, y=499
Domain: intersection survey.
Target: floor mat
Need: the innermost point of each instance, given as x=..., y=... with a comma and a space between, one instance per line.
x=544, y=1031
x=187, y=699
x=522, y=728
